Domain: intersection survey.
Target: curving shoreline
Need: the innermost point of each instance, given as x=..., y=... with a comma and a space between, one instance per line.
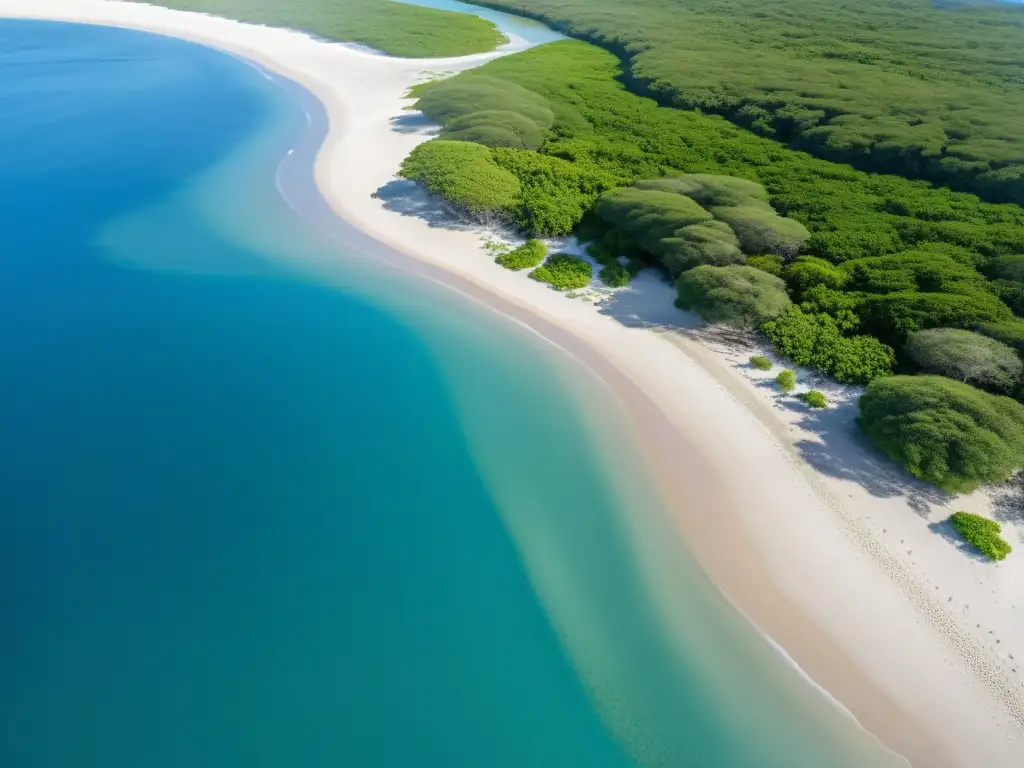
x=834, y=608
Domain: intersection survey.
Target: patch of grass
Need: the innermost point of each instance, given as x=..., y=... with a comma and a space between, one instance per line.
x=496, y=247
x=529, y=254
x=392, y=27
x=761, y=363
x=982, y=534
x=814, y=399
x=786, y=381
x=564, y=272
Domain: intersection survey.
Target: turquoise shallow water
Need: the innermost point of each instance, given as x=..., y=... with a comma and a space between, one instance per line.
x=265, y=501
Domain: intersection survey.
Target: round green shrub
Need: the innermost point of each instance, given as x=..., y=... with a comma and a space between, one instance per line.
x=564, y=272
x=814, y=399
x=761, y=363
x=465, y=175
x=786, y=381
x=943, y=431
x=809, y=271
x=614, y=275
x=982, y=534
x=529, y=254
x=737, y=296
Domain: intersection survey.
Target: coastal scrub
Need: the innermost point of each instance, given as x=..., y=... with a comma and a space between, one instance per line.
x=529, y=254
x=982, y=534
x=945, y=432
x=564, y=272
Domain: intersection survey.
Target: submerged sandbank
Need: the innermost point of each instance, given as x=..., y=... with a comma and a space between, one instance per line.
x=757, y=525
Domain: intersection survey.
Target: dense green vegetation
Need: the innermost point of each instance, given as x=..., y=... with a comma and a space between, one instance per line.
x=685, y=221
x=876, y=259
x=968, y=357
x=465, y=175
x=815, y=399
x=542, y=195
x=885, y=257
x=982, y=534
x=761, y=363
x=899, y=86
x=816, y=341
x=564, y=272
x=945, y=432
x=786, y=380
x=529, y=254
x=392, y=27
x=737, y=296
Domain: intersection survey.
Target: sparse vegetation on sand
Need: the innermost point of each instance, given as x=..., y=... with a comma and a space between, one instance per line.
x=982, y=534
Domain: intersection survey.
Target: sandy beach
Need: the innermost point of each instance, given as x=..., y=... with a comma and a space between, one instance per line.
x=839, y=558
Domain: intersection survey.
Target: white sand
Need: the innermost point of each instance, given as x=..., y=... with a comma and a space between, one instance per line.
x=843, y=544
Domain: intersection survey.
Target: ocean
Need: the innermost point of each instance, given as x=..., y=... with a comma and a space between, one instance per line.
x=267, y=500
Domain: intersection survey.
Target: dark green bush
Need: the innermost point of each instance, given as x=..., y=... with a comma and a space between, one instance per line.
x=982, y=534
x=1009, y=267
x=842, y=307
x=809, y=271
x=966, y=356
x=465, y=175
x=738, y=296
x=943, y=431
x=687, y=221
x=529, y=254
x=815, y=341
x=770, y=263
x=786, y=381
x=920, y=271
x=487, y=110
x=894, y=316
x=564, y=272
x=554, y=193
x=672, y=227
x=761, y=363
x=814, y=399
x=614, y=275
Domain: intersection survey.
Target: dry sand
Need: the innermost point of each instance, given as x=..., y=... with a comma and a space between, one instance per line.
x=830, y=550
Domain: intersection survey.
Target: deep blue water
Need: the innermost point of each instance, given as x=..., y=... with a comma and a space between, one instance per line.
x=259, y=512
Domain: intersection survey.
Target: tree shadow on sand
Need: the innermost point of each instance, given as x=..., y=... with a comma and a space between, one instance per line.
x=648, y=302
x=1008, y=501
x=410, y=199
x=946, y=530
x=843, y=451
x=414, y=123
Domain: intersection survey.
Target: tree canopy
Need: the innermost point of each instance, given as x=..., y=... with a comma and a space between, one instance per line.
x=738, y=296
x=895, y=256
x=464, y=174
x=816, y=341
x=920, y=89
x=943, y=431
x=696, y=219
x=968, y=357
